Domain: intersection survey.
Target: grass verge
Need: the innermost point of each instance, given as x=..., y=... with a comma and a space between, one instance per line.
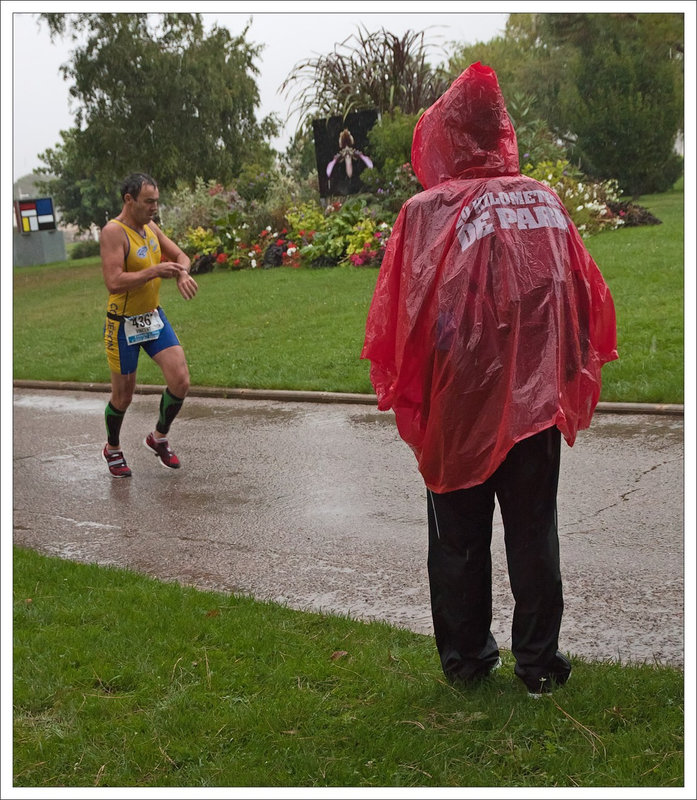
x=121, y=680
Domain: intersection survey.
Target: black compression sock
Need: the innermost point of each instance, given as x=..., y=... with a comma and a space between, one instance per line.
x=113, y=418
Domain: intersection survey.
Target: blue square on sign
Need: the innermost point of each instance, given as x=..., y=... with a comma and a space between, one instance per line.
x=44, y=206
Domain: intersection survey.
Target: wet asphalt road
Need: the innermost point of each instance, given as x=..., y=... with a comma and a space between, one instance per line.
x=320, y=506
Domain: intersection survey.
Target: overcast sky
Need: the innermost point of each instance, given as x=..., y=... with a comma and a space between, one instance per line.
x=41, y=107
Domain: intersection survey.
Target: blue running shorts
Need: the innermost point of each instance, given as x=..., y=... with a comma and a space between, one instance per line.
x=123, y=357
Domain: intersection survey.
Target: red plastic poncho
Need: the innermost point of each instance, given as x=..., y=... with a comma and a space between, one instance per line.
x=490, y=321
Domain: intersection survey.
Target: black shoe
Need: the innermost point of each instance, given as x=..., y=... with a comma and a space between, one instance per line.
x=478, y=675
x=542, y=681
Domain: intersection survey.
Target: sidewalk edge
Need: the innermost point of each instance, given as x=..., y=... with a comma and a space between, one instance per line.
x=288, y=395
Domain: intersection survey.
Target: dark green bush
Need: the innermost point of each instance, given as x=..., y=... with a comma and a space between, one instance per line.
x=84, y=249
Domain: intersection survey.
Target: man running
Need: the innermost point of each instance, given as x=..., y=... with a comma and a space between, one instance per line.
x=132, y=249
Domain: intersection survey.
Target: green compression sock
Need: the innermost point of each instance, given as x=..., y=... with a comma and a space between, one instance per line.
x=169, y=408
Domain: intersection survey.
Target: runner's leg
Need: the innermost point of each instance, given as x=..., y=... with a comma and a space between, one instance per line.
x=175, y=370
x=122, y=388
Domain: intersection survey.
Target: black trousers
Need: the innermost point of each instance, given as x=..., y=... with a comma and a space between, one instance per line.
x=459, y=566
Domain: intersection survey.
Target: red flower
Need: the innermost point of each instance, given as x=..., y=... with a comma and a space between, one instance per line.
x=221, y=258
x=236, y=262
x=264, y=233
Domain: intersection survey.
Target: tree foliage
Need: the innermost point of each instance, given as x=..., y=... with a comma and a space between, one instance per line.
x=367, y=70
x=625, y=106
x=155, y=93
x=608, y=86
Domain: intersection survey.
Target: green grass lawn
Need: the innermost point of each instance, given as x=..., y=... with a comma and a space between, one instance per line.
x=124, y=681
x=303, y=329
x=644, y=269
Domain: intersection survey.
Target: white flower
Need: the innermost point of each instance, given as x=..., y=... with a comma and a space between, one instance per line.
x=291, y=250
x=550, y=177
x=268, y=227
x=582, y=227
x=579, y=208
x=254, y=263
x=251, y=254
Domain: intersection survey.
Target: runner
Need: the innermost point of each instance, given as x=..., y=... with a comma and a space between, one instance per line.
x=132, y=248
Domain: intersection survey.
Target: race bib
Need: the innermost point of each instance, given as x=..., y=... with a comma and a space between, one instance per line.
x=143, y=327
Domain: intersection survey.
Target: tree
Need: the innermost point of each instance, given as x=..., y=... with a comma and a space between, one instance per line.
x=155, y=94
x=609, y=86
x=626, y=107
x=83, y=200
x=367, y=70
x=526, y=67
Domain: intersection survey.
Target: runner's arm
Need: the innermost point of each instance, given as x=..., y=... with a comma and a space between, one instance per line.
x=185, y=283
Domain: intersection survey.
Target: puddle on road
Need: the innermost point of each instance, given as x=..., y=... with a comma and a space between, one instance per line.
x=195, y=411
x=644, y=428
x=59, y=402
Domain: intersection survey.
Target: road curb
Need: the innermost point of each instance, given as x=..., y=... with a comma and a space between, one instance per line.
x=224, y=393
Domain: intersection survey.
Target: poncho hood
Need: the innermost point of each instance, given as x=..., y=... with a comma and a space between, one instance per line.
x=466, y=133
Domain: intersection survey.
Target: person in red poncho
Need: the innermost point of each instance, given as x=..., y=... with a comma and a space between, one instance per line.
x=487, y=331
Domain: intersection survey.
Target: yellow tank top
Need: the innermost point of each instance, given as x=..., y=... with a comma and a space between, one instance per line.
x=142, y=252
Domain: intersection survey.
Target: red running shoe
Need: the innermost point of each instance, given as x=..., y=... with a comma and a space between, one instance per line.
x=165, y=455
x=116, y=463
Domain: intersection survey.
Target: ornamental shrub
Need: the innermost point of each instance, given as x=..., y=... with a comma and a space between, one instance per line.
x=348, y=235
x=306, y=219
x=392, y=180
x=587, y=202
x=185, y=209
x=84, y=249
x=199, y=241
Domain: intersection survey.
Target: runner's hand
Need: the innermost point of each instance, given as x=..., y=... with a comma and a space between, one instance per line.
x=187, y=285
x=169, y=269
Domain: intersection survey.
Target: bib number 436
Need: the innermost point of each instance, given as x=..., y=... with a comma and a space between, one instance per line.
x=143, y=327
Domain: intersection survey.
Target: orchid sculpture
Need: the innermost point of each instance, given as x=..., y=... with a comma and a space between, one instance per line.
x=348, y=153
